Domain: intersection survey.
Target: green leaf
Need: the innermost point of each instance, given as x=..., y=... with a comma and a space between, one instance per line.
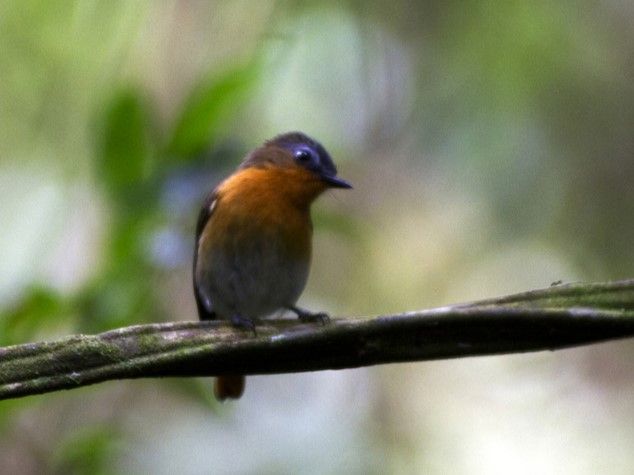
x=88, y=451
x=40, y=307
x=211, y=105
x=125, y=154
x=123, y=297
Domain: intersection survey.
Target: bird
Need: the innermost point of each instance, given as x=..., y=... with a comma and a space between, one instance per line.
x=254, y=238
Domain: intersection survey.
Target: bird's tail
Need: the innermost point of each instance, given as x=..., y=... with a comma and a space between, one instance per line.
x=229, y=386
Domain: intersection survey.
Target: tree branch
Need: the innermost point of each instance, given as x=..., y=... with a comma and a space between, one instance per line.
x=557, y=317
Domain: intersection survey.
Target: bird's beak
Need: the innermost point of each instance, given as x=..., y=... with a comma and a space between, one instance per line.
x=336, y=182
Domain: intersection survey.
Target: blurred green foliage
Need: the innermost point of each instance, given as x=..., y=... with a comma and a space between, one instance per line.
x=210, y=106
x=126, y=157
x=38, y=310
x=490, y=144
x=89, y=451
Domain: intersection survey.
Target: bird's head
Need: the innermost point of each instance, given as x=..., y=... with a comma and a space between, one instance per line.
x=303, y=160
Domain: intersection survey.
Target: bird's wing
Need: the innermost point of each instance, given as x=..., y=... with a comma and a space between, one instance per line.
x=205, y=214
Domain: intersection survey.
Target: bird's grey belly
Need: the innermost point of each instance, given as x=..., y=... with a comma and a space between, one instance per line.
x=252, y=281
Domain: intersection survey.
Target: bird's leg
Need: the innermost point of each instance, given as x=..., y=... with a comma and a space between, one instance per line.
x=307, y=316
x=240, y=321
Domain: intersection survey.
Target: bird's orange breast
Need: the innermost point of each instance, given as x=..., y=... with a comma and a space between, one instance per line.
x=265, y=203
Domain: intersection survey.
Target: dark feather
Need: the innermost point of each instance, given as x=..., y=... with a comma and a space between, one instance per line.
x=203, y=218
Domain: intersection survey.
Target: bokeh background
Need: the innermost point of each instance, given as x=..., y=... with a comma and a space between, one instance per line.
x=491, y=144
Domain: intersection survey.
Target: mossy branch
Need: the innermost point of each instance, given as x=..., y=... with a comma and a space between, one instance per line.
x=556, y=317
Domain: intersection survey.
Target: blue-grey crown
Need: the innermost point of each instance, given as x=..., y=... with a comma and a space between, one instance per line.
x=297, y=142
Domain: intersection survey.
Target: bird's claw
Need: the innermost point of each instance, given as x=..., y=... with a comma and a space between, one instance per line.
x=306, y=316
x=320, y=317
x=238, y=321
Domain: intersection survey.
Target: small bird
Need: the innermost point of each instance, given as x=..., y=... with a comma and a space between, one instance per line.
x=253, y=237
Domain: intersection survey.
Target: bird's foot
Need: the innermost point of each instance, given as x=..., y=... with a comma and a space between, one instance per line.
x=307, y=316
x=239, y=321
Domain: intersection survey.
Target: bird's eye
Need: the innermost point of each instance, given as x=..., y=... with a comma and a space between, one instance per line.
x=303, y=156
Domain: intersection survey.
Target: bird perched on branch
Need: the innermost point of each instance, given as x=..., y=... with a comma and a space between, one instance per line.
x=253, y=237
